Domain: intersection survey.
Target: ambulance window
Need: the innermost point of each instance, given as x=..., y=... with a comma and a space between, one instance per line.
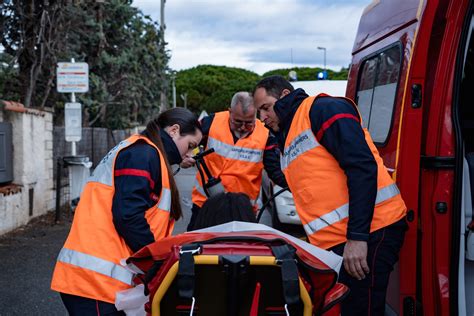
x=366, y=89
x=377, y=89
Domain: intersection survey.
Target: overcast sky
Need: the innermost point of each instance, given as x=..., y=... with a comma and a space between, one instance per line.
x=258, y=35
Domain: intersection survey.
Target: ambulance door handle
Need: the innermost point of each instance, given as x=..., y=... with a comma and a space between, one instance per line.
x=416, y=97
x=441, y=207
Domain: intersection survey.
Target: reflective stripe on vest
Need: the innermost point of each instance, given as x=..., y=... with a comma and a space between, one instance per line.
x=342, y=212
x=165, y=200
x=200, y=189
x=85, y=261
x=235, y=152
x=103, y=173
x=302, y=143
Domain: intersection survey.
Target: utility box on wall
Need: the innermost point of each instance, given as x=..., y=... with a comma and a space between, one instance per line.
x=6, y=153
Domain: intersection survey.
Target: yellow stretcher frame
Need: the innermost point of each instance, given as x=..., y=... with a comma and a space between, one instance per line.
x=214, y=260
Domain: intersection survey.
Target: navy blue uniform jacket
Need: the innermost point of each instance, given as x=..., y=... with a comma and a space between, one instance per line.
x=336, y=125
x=137, y=177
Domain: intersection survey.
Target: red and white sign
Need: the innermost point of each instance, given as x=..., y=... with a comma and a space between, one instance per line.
x=72, y=77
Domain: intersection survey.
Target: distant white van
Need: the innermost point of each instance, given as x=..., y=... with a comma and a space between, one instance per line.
x=335, y=88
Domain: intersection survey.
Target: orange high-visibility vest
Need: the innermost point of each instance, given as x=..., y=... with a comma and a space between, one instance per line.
x=238, y=165
x=319, y=185
x=88, y=265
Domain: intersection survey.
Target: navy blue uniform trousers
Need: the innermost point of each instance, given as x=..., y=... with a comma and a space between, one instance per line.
x=81, y=306
x=367, y=296
x=194, y=213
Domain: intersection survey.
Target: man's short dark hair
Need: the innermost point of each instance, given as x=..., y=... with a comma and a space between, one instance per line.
x=274, y=85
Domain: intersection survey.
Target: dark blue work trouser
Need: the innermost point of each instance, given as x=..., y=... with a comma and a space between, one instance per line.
x=82, y=306
x=194, y=213
x=367, y=296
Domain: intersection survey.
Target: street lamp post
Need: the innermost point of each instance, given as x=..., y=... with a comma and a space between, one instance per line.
x=324, y=72
x=184, y=97
x=173, y=87
x=164, y=80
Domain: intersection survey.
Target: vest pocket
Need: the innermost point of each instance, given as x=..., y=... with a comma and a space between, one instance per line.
x=305, y=195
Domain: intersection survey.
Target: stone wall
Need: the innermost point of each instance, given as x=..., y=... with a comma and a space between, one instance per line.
x=32, y=166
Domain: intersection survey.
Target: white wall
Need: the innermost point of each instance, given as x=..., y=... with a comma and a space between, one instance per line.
x=32, y=168
x=12, y=211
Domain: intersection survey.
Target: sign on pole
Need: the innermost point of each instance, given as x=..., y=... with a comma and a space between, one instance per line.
x=73, y=122
x=72, y=77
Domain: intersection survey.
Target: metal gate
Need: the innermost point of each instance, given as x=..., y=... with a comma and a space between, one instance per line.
x=6, y=153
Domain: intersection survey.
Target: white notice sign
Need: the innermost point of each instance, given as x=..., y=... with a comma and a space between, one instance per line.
x=73, y=122
x=72, y=77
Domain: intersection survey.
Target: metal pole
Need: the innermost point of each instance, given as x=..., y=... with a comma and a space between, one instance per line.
x=174, y=91
x=73, y=100
x=164, y=87
x=325, y=59
x=184, y=97
x=162, y=16
x=324, y=71
x=59, y=167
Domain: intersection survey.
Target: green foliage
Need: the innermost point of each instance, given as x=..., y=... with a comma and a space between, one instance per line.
x=126, y=61
x=9, y=84
x=30, y=38
x=127, y=58
x=211, y=88
x=308, y=73
x=124, y=49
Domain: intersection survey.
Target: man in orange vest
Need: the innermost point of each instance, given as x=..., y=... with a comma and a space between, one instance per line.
x=243, y=148
x=347, y=201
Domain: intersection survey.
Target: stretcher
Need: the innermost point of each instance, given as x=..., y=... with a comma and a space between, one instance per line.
x=238, y=269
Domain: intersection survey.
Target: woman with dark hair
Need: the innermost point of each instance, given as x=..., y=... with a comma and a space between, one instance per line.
x=223, y=208
x=130, y=201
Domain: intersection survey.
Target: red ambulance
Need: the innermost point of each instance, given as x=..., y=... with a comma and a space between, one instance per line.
x=412, y=76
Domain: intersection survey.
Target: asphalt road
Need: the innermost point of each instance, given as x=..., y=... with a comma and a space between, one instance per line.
x=28, y=255
x=27, y=260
